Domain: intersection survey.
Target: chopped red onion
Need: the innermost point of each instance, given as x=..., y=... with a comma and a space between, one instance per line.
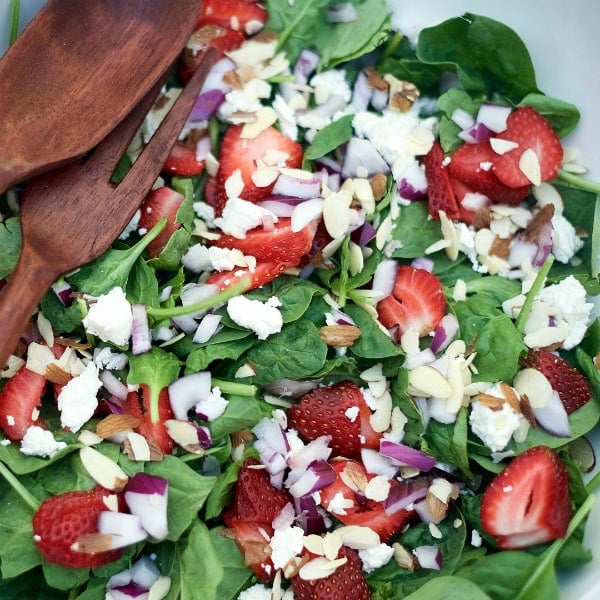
x=129, y=591
x=412, y=183
x=553, y=417
x=317, y=449
x=476, y=134
x=319, y=475
x=285, y=518
x=125, y=529
x=187, y=391
x=444, y=333
x=429, y=557
x=307, y=62
x=311, y=520
x=203, y=148
x=361, y=94
x=273, y=433
x=364, y=234
x=462, y=118
x=144, y=572
x=214, y=80
x=406, y=455
x=374, y=462
x=141, y=340
x=146, y=497
x=280, y=208
x=344, y=12
x=113, y=384
x=422, y=262
x=493, y=116
x=361, y=155
x=206, y=105
x=404, y=495
x=384, y=277
x=521, y=252
x=204, y=437
x=544, y=242
x=298, y=187
x=63, y=291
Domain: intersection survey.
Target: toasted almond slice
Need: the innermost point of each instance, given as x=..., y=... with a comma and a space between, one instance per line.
x=404, y=558
x=113, y=424
x=339, y=336
x=354, y=477
x=529, y=164
x=102, y=469
x=320, y=567
x=535, y=385
x=493, y=402
x=55, y=374
x=92, y=543
x=314, y=544
x=510, y=396
x=358, y=537
x=427, y=381
x=332, y=542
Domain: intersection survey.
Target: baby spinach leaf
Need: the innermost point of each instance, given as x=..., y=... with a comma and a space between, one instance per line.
x=328, y=139
x=10, y=245
x=414, y=230
x=242, y=411
x=448, y=588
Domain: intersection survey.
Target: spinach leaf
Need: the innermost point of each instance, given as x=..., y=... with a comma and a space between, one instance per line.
x=328, y=139
x=448, y=588
x=414, y=231
x=10, y=245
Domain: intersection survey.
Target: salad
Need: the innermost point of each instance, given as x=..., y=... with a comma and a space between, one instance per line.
x=347, y=348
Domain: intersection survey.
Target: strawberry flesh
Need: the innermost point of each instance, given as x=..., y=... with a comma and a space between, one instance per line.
x=182, y=161
x=528, y=502
x=440, y=195
x=232, y=14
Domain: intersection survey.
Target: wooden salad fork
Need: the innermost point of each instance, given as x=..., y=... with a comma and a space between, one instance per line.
x=71, y=215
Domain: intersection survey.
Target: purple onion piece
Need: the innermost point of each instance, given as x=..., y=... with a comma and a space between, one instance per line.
x=63, y=292
x=143, y=483
x=407, y=455
x=406, y=493
x=429, y=557
x=206, y=105
x=141, y=340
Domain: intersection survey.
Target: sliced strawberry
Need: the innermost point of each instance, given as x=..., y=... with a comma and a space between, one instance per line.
x=345, y=583
x=417, y=302
x=572, y=386
x=473, y=165
x=159, y=203
x=529, y=130
x=460, y=190
x=19, y=402
x=222, y=39
x=362, y=511
x=60, y=521
x=263, y=273
x=528, y=502
x=440, y=195
x=240, y=15
x=279, y=244
x=242, y=153
x=182, y=161
x=339, y=411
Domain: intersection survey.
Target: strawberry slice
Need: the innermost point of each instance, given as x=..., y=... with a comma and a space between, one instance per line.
x=417, y=302
x=472, y=164
x=528, y=502
x=159, y=203
x=339, y=411
x=263, y=273
x=279, y=244
x=360, y=510
x=60, y=521
x=531, y=131
x=346, y=582
x=242, y=153
x=182, y=161
x=571, y=385
x=240, y=15
x=440, y=195
x=19, y=402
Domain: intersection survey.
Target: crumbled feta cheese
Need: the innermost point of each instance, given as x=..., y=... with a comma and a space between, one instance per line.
x=77, y=400
x=239, y=216
x=493, y=427
x=264, y=318
x=338, y=504
x=476, y=538
x=328, y=83
x=351, y=413
x=285, y=545
x=40, y=442
x=105, y=358
x=375, y=557
x=110, y=318
x=565, y=242
x=259, y=591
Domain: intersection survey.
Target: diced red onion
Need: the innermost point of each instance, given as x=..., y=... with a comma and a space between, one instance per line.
x=329, y=165
x=208, y=326
x=361, y=94
x=206, y=105
x=419, y=359
x=278, y=207
x=214, y=80
x=374, y=462
x=144, y=572
x=276, y=479
x=493, y=116
x=299, y=187
x=125, y=529
x=113, y=384
x=361, y=155
x=319, y=475
x=344, y=12
x=273, y=433
x=404, y=495
x=521, y=252
x=406, y=455
x=462, y=118
x=476, y=134
x=317, y=449
x=187, y=391
x=429, y=557
x=285, y=518
x=544, y=242
x=204, y=437
x=412, y=183
x=422, y=262
x=384, y=277
x=141, y=340
x=444, y=333
x=63, y=291
x=129, y=591
x=553, y=417
x=146, y=497
x=203, y=148
x=307, y=62
x=426, y=516
x=364, y=234
x=379, y=99
x=311, y=520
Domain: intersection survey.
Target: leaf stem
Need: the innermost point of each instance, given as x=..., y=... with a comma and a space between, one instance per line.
x=392, y=45
x=15, y=11
x=235, y=388
x=538, y=284
x=576, y=181
x=16, y=485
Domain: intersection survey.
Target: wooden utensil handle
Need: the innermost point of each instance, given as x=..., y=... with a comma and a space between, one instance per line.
x=19, y=299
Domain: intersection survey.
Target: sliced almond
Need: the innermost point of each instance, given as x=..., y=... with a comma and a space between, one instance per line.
x=113, y=424
x=92, y=543
x=332, y=542
x=314, y=544
x=378, y=488
x=88, y=438
x=436, y=507
x=144, y=449
x=510, y=396
x=381, y=418
x=501, y=146
x=491, y=401
x=339, y=336
x=529, y=165
x=185, y=435
x=102, y=469
x=358, y=537
x=56, y=374
x=535, y=385
x=320, y=567
x=354, y=477
x=427, y=381
x=404, y=558
x=160, y=588
x=379, y=185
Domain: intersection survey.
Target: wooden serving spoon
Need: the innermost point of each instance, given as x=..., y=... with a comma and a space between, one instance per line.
x=76, y=70
x=73, y=214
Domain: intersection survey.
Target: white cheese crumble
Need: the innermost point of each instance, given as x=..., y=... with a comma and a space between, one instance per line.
x=77, y=400
x=493, y=427
x=40, y=442
x=110, y=318
x=565, y=242
x=264, y=318
x=200, y=258
x=239, y=216
x=259, y=591
x=476, y=538
x=285, y=545
x=375, y=557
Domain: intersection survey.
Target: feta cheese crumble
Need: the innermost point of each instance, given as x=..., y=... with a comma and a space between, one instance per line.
x=239, y=216
x=285, y=545
x=40, y=442
x=110, y=318
x=264, y=318
x=77, y=400
x=493, y=427
x=376, y=557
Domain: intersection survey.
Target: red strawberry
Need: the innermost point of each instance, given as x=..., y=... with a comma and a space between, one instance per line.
x=460, y=190
x=19, y=402
x=345, y=583
x=263, y=273
x=222, y=39
x=240, y=15
x=528, y=502
x=417, y=302
x=440, y=195
x=363, y=512
x=61, y=519
x=241, y=153
x=280, y=244
x=571, y=385
x=472, y=164
x=529, y=130
x=159, y=203
x=330, y=411
x=255, y=504
x=182, y=161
